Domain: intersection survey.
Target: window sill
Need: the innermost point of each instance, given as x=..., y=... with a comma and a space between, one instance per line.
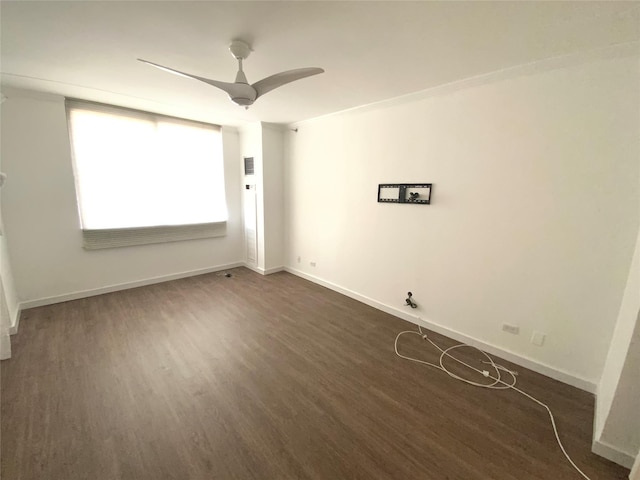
x=125, y=237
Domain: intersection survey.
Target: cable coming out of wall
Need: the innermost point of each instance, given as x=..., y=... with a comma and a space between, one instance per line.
x=497, y=377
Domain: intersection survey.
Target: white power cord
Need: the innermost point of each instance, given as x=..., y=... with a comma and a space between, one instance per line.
x=498, y=383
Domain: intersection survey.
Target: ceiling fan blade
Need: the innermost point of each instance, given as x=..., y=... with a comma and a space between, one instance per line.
x=274, y=81
x=233, y=89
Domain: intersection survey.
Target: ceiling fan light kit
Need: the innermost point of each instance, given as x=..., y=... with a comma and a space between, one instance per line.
x=240, y=92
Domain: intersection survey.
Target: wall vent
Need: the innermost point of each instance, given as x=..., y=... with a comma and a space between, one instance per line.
x=248, y=166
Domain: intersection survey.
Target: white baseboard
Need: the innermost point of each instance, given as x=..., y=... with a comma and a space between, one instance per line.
x=536, y=366
x=13, y=329
x=635, y=471
x=610, y=452
x=259, y=270
x=123, y=286
x=271, y=270
x=127, y=285
x=263, y=271
x=526, y=362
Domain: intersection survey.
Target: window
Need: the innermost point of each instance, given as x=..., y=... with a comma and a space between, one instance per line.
x=145, y=178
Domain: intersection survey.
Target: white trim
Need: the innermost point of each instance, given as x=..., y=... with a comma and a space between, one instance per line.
x=620, y=50
x=98, y=239
x=262, y=271
x=124, y=286
x=271, y=270
x=635, y=471
x=15, y=322
x=259, y=270
x=531, y=364
x=610, y=452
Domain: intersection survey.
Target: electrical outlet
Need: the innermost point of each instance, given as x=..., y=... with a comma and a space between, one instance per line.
x=299, y=259
x=313, y=264
x=511, y=329
x=538, y=338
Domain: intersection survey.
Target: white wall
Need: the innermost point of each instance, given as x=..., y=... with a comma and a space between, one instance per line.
x=251, y=146
x=273, y=178
x=617, y=423
x=41, y=219
x=619, y=350
x=9, y=310
x=534, y=214
x=8, y=298
x=9, y=290
x=265, y=142
x=620, y=429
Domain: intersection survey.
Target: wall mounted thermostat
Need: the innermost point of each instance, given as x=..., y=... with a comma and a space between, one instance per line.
x=418, y=193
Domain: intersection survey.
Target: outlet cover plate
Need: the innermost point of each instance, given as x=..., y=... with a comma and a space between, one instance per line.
x=513, y=329
x=538, y=338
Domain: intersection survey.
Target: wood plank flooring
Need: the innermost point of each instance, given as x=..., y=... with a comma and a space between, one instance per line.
x=254, y=377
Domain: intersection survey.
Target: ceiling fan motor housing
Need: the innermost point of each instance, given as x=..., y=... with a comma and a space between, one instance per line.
x=239, y=49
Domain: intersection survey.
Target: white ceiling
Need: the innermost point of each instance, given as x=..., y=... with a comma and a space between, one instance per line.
x=371, y=51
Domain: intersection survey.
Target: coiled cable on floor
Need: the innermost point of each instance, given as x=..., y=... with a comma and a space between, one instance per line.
x=497, y=377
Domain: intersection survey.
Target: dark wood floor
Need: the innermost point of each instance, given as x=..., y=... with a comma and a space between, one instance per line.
x=254, y=377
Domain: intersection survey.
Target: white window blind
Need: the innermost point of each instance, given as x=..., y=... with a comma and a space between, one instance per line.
x=145, y=178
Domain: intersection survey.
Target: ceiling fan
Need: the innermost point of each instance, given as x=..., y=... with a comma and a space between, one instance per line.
x=240, y=92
